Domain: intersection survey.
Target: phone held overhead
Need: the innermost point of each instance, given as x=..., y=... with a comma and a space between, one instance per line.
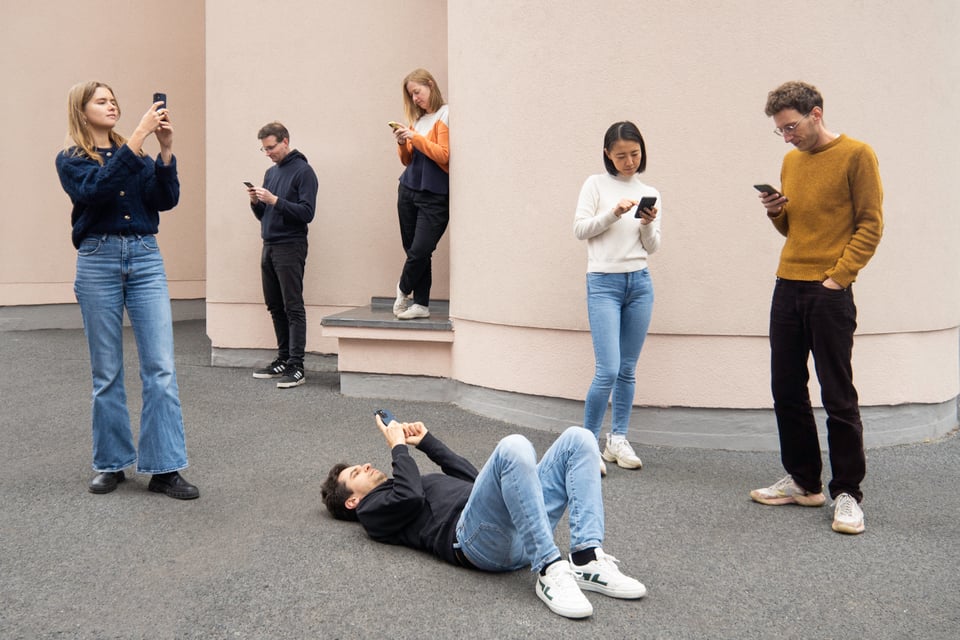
x=385, y=417
x=160, y=97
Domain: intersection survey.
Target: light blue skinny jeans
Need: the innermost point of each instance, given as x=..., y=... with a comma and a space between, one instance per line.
x=619, y=306
x=516, y=503
x=126, y=272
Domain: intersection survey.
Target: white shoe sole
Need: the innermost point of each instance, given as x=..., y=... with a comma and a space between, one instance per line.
x=624, y=594
x=609, y=457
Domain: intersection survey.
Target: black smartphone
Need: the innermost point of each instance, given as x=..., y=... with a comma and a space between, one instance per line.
x=385, y=416
x=160, y=97
x=765, y=188
x=645, y=203
x=249, y=184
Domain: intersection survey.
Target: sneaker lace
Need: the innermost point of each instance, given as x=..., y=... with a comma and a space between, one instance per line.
x=607, y=561
x=784, y=483
x=846, y=507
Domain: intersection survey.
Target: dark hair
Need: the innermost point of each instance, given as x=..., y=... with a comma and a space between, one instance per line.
x=628, y=131
x=793, y=95
x=274, y=129
x=335, y=493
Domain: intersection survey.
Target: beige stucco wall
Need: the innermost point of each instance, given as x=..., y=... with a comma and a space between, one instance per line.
x=694, y=76
x=332, y=73
x=532, y=87
x=137, y=48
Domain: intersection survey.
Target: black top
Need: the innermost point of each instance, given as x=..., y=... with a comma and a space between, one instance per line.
x=124, y=195
x=294, y=183
x=417, y=511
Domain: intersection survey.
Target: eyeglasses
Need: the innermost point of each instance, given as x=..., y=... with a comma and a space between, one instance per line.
x=790, y=128
x=274, y=146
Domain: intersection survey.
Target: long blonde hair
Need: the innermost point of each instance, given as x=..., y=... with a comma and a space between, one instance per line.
x=79, y=137
x=420, y=76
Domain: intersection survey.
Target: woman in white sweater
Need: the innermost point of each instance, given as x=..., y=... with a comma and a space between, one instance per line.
x=620, y=234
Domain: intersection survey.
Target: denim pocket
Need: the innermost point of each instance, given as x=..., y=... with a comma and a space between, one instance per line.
x=149, y=243
x=89, y=246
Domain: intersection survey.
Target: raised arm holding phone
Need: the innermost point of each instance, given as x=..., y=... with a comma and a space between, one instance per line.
x=498, y=519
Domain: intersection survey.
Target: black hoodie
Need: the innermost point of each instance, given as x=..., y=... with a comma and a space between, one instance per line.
x=295, y=185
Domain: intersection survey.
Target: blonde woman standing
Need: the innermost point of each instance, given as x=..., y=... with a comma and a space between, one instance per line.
x=423, y=204
x=117, y=194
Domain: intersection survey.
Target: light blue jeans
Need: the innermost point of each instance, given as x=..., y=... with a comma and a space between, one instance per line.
x=516, y=503
x=620, y=306
x=126, y=272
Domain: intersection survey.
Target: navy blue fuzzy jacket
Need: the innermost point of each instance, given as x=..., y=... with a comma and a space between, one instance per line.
x=418, y=511
x=125, y=195
x=294, y=183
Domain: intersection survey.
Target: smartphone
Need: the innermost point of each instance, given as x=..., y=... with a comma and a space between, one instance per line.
x=645, y=203
x=394, y=125
x=385, y=416
x=249, y=184
x=160, y=97
x=765, y=188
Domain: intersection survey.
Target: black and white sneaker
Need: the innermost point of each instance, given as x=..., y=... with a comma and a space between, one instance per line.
x=292, y=377
x=273, y=370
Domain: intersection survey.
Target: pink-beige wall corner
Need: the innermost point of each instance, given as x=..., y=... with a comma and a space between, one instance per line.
x=549, y=80
x=532, y=86
x=332, y=73
x=137, y=48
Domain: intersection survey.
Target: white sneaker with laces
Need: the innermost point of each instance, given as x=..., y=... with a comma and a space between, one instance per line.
x=786, y=491
x=559, y=591
x=603, y=576
x=847, y=515
x=414, y=311
x=401, y=303
x=619, y=450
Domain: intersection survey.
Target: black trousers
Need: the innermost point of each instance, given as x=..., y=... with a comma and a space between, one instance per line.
x=805, y=318
x=423, y=219
x=281, y=272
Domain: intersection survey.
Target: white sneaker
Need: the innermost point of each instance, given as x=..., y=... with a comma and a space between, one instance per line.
x=619, y=450
x=559, y=591
x=414, y=311
x=603, y=468
x=401, y=303
x=603, y=576
x=786, y=491
x=847, y=515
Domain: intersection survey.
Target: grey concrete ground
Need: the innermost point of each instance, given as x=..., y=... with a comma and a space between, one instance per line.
x=255, y=557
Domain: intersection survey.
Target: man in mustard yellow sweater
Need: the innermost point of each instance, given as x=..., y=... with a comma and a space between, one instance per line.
x=830, y=211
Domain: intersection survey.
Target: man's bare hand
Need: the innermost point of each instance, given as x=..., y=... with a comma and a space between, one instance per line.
x=393, y=432
x=413, y=432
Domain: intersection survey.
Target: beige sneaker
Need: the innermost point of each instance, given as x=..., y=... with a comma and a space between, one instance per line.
x=414, y=311
x=786, y=491
x=619, y=450
x=401, y=303
x=847, y=515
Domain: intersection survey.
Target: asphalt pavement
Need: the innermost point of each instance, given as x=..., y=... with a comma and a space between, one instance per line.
x=257, y=556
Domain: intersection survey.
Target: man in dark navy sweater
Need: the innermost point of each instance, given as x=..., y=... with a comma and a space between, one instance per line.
x=284, y=205
x=499, y=519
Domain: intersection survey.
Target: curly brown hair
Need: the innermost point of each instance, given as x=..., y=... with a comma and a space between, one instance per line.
x=793, y=95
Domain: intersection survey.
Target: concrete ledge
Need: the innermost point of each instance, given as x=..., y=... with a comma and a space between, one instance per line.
x=67, y=316
x=730, y=429
x=379, y=315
